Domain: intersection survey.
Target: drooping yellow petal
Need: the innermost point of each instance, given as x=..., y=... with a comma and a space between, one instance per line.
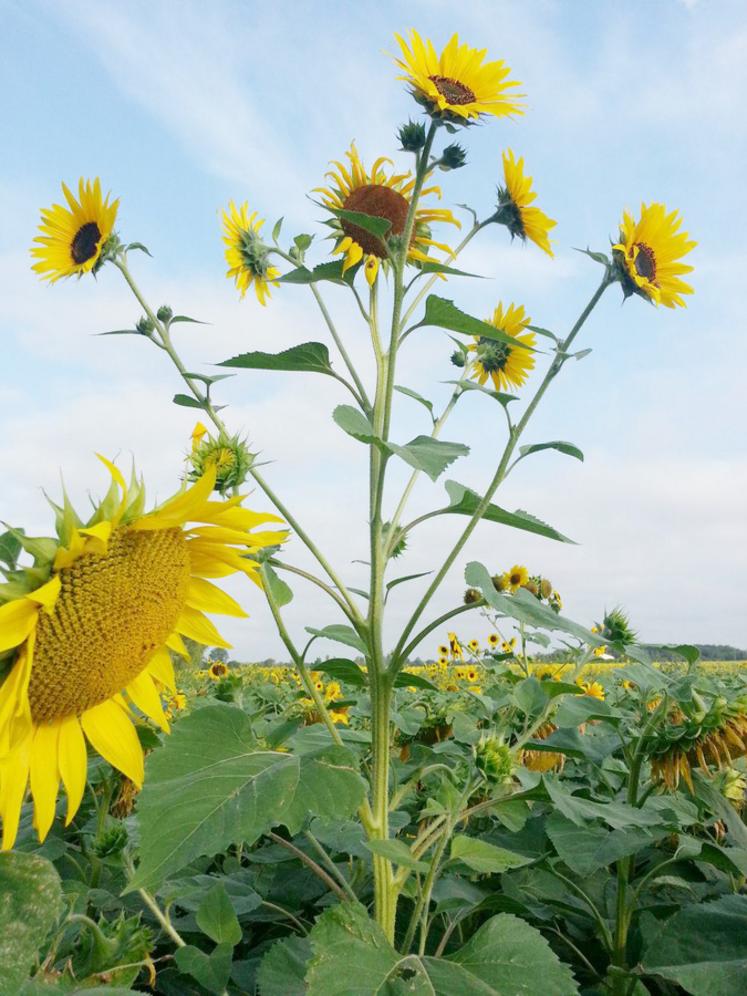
x=208, y=597
x=196, y=626
x=14, y=776
x=73, y=763
x=111, y=733
x=45, y=775
x=143, y=693
x=161, y=668
x=17, y=620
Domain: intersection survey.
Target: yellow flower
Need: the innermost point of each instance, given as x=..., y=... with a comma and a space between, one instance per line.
x=383, y=194
x=592, y=688
x=443, y=650
x=543, y=760
x=217, y=670
x=471, y=675
x=474, y=646
x=340, y=716
x=333, y=691
x=600, y=651
x=507, y=366
x=517, y=578
x=476, y=689
x=457, y=85
x=246, y=254
x=73, y=237
x=454, y=647
x=493, y=640
x=91, y=641
x=648, y=255
x=515, y=209
x=443, y=661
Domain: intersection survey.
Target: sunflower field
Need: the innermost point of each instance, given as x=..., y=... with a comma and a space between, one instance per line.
x=544, y=812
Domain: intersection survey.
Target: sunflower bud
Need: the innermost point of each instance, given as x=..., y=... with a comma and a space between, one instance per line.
x=500, y=582
x=457, y=358
x=493, y=759
x=399, y=544
x=545, y=588
x=472, y=596
x=453, y=157
x=228, y=454
x=412, y=136
x=164, y=313
x=110, y=841
x=532, y=587
x=145, y=325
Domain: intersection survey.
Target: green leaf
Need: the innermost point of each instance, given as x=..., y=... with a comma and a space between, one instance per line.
x=216, y=917
x=471, y=385
x=432, y=266
x=557, y=444
x=280, y=591
x=312, y=357
x=485, y=858
x=328, y=785
x=465, y=502
x=407, y=679
x=187, y=401
x=444, y=314
x=140, y=247
x=332, y=272
x=398, y=852
x=545, y=332
x=619, y=815
x=10, y=547
x=340, y=634
x=283, y=969
x=703, y=948
x=343, y=670
x=186, y=318
x=208, y=378
x=587, y=849
x=302, y=242
x=276, y=229
x=212, y=971
x=416, y=397
x=355, y=423
x=430, y=455
x=30, y=906
x=406, y=577
x=598, y=257
x=368, y=222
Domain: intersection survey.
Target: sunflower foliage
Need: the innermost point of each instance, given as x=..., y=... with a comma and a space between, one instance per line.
x=178, y=822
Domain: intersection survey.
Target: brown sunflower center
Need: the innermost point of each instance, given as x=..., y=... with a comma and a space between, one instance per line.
x=114, y=610
x=645, y=262
x=452, y=90
x=382, y=202
x=85, y=244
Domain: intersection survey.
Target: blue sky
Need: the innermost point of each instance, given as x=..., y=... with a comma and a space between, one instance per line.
x=181, y=106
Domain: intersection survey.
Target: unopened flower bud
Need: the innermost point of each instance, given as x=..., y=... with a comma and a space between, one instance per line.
x=472, y=596
x=145, y=325
x=412, y=136
x=164, y=313
x=453, y=157
x=493, y=759
x=457, y=358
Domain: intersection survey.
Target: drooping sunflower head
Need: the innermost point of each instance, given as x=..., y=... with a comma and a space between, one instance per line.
x=507, y=366
x=90, y=624
x=72, y=238
x=543, y=760
x=457, y=86
x=648, y=256
x=383, y=194
x=455, y=648
x=516, y=206
x=247, y=255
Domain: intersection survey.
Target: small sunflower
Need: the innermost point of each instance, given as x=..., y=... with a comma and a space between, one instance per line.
x=383, y=194
x=246, y=254
x=443, y=661
x=515, y=209
x=600, y=651
x=89, y=628
x=217, y=670
x=455, y=649
x=443, y=650
x=474, y=646
x=457, y=86
x=493, y=640
x=649, y=253
x=592, y=688
x=517, y=578
x=72, y=238
x=507, y=366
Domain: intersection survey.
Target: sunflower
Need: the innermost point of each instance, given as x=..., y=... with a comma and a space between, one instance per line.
x=457, y=86
x=217, y=670
x=443, y=661
x=493, y=640
x=455, y=649
x=648, y=255
x=599, y=651
x=246, y=254
x=514, y=206
x=517, y=578
x=443, y=650
x=90, y=626
x=383, y=194
x=592, y=688
x=72, y=238
x=474, y=646
x=543, y=760
x=507, y=366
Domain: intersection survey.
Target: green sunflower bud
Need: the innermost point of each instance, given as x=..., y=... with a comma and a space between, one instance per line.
x=164, y=313
x=145, y=325
x=493, y=759
x=500, y=582
x=412, y=136
x=400, y=540
x=457, y=358
x=110, y=841
x=228, y=454
x=453, y=157
x=472, y=596
x=545, y=588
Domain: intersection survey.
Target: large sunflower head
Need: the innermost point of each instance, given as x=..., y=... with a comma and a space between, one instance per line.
x=72, y=237
x=384, y=194
x=89, y=626
x=507, y=366
x=648, y=255
x=246, y=254
x=515, y=209
x=457, y=85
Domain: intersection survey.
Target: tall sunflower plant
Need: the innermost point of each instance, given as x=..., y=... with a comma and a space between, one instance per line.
x=90, y=627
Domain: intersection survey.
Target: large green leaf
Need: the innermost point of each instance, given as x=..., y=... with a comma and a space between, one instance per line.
x=284, y=966
x=483, y=857
x=578, y=810
x=464, y=501
x=432, y=456
x=216, y=917
x=308, y=356
x=342, y=669
x=355, y=423
x=210, y=786
x=30, y=905
x=212, y=970
x=703, y=948
x=398, y=852
x=586, y=849
x=372, y=223
x=10, y=547
x=445, y=314
x=505, y=957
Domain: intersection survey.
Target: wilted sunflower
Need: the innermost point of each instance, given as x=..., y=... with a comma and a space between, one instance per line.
x=648, y=255
x=383, y=194
x=515, y=209
x=507, y=366
x=246, y=254
x=457, y=85
x=543, y=760
x=90, y=624
x=73, y=237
